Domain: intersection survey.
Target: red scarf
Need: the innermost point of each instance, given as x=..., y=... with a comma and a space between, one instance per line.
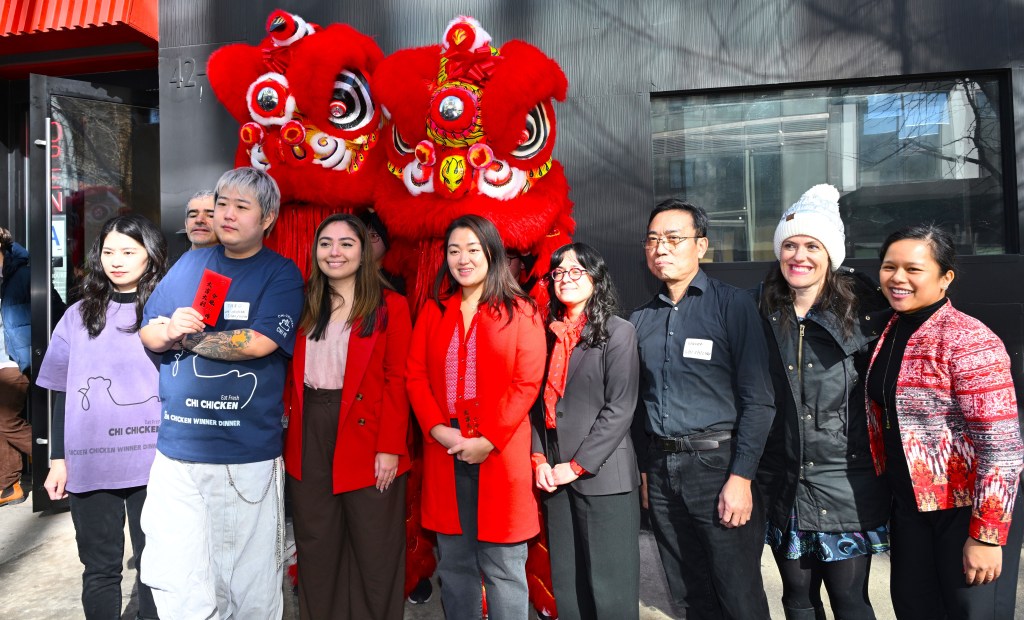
x=567, y=335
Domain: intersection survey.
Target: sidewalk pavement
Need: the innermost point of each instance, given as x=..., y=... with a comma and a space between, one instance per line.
x=41, y=575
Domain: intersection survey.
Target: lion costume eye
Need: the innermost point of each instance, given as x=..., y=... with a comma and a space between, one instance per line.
x=535, y=134
x=351, y=106
x=270, y=100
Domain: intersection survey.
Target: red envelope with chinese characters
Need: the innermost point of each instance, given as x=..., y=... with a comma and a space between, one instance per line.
x=209, y=301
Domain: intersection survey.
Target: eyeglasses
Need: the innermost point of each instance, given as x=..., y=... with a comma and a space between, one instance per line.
x=574, y=274
x=671, y=241
x=374, y=236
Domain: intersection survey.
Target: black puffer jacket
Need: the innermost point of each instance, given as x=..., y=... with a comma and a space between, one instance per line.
x=817, y=457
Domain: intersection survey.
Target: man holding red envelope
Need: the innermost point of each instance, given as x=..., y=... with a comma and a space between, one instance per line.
x=224, y=318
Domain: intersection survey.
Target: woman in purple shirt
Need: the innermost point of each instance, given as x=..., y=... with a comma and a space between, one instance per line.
x=104, y=429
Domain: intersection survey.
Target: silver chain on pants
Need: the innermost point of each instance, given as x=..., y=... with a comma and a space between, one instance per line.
x=278, y=509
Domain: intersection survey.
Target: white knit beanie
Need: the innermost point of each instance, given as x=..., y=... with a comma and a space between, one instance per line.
x=816, y=215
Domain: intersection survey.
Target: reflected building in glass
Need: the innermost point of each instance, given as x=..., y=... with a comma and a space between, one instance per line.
x=900, y=153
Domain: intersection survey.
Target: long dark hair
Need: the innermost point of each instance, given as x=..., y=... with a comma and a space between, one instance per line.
x=836, y=296
x=603, y=303
x=500, y=288
x=368, y=303
x=95, y=288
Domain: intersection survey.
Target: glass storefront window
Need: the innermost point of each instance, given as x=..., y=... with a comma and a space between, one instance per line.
x=898, y=153
x=104, y=162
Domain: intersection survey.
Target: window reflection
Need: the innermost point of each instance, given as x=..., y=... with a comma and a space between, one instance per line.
x=899, y=153
x=104, y=160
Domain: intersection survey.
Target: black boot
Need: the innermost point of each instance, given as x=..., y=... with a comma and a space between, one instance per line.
x=808, y=613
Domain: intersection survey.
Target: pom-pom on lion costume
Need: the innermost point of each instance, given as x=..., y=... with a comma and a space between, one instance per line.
x=473, y=128
x=303, y=101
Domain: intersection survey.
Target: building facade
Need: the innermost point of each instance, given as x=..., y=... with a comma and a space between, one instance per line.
x=914, y=109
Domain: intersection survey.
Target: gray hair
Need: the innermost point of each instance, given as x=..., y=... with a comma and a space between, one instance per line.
x=203, y=193
x=258, y=183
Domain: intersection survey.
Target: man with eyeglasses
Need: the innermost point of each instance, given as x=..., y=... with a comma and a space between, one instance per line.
x=706, y=406
x=515, y=262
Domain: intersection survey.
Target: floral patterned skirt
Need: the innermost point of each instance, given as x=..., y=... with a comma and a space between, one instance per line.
x=826, y=546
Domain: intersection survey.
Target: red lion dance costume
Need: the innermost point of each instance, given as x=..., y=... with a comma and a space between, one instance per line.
x=302, y=98
x=473, y=128
x=472, y=131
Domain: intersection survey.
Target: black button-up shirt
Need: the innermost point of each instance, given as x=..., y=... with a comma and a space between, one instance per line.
x=704, y=367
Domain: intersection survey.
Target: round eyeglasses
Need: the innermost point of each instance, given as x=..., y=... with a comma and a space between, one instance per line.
x=574, y=274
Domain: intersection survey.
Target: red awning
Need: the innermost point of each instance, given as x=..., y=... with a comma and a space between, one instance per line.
x=63, y=37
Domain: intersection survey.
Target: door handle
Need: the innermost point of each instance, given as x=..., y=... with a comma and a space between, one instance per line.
x=40, y=142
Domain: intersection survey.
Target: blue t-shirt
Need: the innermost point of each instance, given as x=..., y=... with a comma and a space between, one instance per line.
x=228, y=412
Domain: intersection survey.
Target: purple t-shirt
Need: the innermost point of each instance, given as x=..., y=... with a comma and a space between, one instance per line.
x=113, y=405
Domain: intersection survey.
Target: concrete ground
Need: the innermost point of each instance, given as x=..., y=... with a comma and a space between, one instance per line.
x=40, y=575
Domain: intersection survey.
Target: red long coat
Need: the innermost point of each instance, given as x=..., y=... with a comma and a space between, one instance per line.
x=510, y=367
x=374, y=415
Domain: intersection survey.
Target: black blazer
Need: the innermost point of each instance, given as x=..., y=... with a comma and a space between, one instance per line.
x=595, y=414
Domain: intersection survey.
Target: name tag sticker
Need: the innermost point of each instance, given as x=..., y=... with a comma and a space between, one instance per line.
x=239, y=311
x=697, y=348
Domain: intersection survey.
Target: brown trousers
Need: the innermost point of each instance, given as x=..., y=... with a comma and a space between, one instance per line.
x=351, y=546
x=15, y=432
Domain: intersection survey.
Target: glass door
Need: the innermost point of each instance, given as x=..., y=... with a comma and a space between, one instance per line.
x=95, y=155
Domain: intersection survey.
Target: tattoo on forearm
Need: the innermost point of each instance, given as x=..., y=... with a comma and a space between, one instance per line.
x=228, y=346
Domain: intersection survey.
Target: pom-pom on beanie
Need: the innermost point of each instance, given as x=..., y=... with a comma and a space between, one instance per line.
x=816, y=215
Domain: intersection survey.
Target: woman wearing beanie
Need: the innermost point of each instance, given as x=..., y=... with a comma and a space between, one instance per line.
x=827, y=508
x=944, y=429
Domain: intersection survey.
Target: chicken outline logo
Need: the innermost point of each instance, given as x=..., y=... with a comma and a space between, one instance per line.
x=103, y=385
x=242, y=378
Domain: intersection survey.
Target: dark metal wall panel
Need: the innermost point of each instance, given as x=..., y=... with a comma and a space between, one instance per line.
x=610, y=182
x=197, y=135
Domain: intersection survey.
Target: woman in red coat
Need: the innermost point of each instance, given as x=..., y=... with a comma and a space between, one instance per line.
x=475, y=366
x=345, y=450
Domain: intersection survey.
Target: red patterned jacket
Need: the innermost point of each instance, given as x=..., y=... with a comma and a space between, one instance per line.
x=957, y=413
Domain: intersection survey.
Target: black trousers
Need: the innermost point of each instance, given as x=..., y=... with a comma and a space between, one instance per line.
x=99, y=518
x=927, y=579
x=713, y=571
x=595, y=554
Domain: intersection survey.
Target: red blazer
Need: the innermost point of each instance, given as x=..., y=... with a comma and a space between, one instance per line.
x=374, y=415
x=510, y=367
